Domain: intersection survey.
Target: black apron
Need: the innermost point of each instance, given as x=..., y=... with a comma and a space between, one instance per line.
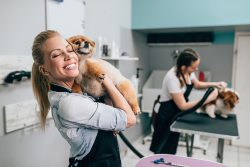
x=164, y=141
x=105, y=150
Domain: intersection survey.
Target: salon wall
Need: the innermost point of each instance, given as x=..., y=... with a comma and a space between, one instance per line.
x=111, y=19
x=30, y=147
x=217, y=58
x=20, y=22
x=163, y=14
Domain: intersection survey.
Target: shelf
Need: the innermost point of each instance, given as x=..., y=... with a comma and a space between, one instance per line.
x=120, y=58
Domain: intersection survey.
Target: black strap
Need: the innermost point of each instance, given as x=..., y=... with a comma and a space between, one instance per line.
x=73, y=162
x=132, y=148
x=198, y=105
x=59, y=88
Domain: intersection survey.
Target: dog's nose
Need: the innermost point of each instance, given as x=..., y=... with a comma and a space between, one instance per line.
x=86, y=45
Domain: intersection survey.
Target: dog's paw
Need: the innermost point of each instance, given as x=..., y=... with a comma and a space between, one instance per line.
x=136, y=109
x=224, y=115
x=211, y=114
x=198, y=110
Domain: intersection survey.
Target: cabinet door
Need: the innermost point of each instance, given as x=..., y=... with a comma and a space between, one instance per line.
x=241, y=84
x=66, y=17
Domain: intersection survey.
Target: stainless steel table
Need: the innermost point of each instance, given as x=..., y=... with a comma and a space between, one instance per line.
x=202, y=124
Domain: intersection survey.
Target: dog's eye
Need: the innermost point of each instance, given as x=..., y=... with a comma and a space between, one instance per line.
x=78, y=43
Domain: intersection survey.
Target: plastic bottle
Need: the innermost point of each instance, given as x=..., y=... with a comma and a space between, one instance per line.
x=135, y=79
x=135, y=82
x=99, y=47
x=202, y=76
x=113, y=50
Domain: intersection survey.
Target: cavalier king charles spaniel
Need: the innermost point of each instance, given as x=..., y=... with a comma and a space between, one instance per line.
x=222, y=105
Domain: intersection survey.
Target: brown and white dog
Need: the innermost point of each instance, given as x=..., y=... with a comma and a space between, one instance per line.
x=222, y=105
x=93, y=70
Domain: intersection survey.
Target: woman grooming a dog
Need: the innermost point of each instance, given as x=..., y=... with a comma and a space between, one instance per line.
x=88, y=126
x=176, y=87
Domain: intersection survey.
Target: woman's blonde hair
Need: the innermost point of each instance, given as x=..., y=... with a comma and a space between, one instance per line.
x=40, y=82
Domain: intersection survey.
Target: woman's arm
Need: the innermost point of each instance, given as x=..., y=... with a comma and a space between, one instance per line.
x=202, y=85
x=119, y=101
x=183, y=105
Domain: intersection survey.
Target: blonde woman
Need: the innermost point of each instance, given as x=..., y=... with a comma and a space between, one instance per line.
x=86, y=125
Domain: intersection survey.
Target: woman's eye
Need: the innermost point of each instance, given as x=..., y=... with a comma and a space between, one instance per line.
x=70, y=49
x=56, y=55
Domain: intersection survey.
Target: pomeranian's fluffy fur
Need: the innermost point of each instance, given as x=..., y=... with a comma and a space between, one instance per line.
x=93, y=70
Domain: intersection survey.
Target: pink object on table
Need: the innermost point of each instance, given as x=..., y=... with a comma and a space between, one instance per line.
x=175, y=160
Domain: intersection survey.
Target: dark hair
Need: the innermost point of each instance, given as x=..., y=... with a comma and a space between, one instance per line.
x=186, y=58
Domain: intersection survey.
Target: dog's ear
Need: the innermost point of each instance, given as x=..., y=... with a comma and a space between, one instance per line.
x=221, y=94
x=92, y=43
x=235, y=98
x=227, y=95
x=72, y=39
x=73, y=42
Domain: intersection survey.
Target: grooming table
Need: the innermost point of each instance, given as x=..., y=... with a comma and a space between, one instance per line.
x=202, y=124
x=176, y=160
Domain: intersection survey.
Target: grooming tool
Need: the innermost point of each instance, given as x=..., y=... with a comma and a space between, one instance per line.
x=162, y=161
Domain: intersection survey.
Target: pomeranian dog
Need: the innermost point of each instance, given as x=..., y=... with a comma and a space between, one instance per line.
x=222, y=105
x=93, y=70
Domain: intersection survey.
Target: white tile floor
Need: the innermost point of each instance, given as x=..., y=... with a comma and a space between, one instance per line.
x=234, y=156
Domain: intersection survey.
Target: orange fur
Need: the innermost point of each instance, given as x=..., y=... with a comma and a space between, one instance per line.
x=127, y=90
x=76, y=88
x=92, y=71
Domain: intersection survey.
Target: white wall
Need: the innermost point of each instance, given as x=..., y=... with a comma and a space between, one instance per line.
x=112, y=19
x=20, y=22
x=29, y=147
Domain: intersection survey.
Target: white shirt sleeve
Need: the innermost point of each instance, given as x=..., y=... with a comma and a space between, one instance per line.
x=192, y=76
x=83, y=110
x=173, y=84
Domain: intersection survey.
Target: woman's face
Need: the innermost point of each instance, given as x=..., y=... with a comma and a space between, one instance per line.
x=60, y=61
x=192, y=68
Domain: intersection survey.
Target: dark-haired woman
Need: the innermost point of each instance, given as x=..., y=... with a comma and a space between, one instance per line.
x=176, y=87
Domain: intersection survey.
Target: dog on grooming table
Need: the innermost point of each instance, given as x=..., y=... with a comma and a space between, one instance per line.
x=222, y=105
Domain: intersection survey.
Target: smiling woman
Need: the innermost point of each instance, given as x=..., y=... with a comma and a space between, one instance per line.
x=84, y=123
x=60, y=61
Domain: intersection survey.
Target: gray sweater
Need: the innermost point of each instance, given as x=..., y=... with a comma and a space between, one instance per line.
x=78, y=118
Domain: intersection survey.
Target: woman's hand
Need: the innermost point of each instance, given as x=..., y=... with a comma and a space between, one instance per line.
x=119, y=101
x=221, y=84
x=106, y=81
